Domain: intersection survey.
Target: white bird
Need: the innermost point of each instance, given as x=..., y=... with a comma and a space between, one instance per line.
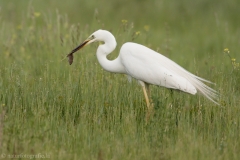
x=146, y=66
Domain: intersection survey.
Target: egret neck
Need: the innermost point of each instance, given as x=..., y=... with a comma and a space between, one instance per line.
x=104, y=50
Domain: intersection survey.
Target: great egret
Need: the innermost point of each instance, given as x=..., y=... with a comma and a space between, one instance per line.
x=147, y=66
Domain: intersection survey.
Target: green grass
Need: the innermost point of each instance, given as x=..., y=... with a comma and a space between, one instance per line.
x=83, y=112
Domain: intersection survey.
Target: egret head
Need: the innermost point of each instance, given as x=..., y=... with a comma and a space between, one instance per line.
x=99, y=35
x=96, y=36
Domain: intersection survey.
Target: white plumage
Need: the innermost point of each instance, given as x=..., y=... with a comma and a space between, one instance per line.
x=159, y=70
x=147, y=66
x=153, y=71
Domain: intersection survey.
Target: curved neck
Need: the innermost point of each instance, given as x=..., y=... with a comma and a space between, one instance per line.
x=109, y=65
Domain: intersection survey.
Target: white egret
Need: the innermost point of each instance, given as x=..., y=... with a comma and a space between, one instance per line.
x=146, y=66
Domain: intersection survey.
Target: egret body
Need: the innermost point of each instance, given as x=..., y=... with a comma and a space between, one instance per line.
x=146, y=66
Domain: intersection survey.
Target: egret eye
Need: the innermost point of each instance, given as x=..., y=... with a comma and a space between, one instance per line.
x=92, y=36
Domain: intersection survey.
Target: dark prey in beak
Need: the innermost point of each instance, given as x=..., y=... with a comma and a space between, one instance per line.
x=70, y=55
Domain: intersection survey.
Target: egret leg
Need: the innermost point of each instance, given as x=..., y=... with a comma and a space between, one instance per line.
x=146, y=96
x=146, y=92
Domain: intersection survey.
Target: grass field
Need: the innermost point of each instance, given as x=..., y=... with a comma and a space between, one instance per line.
x=49, y=109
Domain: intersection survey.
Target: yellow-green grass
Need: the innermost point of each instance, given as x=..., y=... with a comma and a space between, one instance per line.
x=83, y=112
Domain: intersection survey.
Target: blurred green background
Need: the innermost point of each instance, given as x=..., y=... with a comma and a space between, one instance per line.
x=178, y=14
x=83, y=112
x=208, y=24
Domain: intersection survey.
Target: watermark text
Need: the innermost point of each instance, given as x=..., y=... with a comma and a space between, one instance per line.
x=25, y=156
